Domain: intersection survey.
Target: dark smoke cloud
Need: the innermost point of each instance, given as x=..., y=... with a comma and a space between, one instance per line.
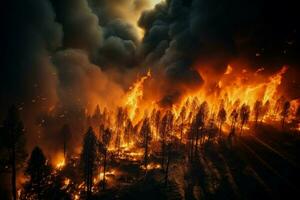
x=80, y=25
x=180, y=34
x=120, y=34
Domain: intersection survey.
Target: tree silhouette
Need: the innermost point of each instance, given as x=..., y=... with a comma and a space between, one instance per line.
x=168, y=163
x=284, y=113
x=157, y=123
x=146, y=134
x=88, y=159
x=182, y=116
x=244, y=116
x=165, y=129
x=257, y=109
x=97, y=115
x=221, y=118
x=128, y=131
x=106, y=137
x=15, y=144
x=200, y=121
x=265, y=110
x=233, y=117
x=119, y=126
x=66, y=133
x=38, y=170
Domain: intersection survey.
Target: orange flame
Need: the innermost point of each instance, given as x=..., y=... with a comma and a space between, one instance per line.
x=134, y=95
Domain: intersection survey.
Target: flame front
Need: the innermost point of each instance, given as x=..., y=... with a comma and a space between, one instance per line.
x=135, y=95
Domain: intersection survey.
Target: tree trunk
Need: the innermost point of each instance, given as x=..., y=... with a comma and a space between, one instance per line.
x=104, y=169
x=242, y=125
x=197, y=138
x=65, y=147
x=282, y=123
x=168, y=164
x=13, y=175
x=163, y=153
x=146, y=153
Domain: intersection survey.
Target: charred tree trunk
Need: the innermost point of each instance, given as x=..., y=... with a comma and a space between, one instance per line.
x=13, y=175
x=196, y=142
x=146, y=153
x=242, y=126
x=104, y=169
x=65, y=147
x=168, y=164
x=220, y=129
x=282, y=123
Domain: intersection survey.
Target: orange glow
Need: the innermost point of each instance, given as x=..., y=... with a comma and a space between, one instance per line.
x=135, y=95
x=228, y=70
x=152, y=166
x=59, y=161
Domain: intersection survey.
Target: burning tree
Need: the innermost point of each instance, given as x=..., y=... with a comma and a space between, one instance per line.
x=88, y=159
x=39, y=171
x=244, y=116
x=165, y=130
x=128, y=131
x=182, y=117
x=145, y=133
x=284, y=113
x=106, y=137
x=257, y=109
x=265, y=109
x=200, y=121
x=157, y=122
x=66, y=133
x=233, y=117
x=221, y=117
x=120, y=119
x=14, y=143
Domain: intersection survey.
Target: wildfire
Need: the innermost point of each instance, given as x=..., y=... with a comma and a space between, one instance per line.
x=272, y=85
x=59, y=161
x=228, y=70
x=152, y=166
x=135, y=94
x=108, y=173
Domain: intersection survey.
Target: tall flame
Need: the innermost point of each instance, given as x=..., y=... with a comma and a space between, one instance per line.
x=134, y=95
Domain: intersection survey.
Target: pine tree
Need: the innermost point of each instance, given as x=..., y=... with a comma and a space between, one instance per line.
x=265, y=110
x=165, y=131
x=200, y=121
x=88, y=159
x=15, y=144
x=97, y=115
x=145, y=132
x=221, y=118
x=157, y=123
x=233, y=117
x=182, y=116
x=38, y=170
x=66, y=133
x=285, y=112
x=106, y=137
x=244, y=116
x=257, y=109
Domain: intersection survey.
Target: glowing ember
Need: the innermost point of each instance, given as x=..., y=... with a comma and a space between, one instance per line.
x=152, y=166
